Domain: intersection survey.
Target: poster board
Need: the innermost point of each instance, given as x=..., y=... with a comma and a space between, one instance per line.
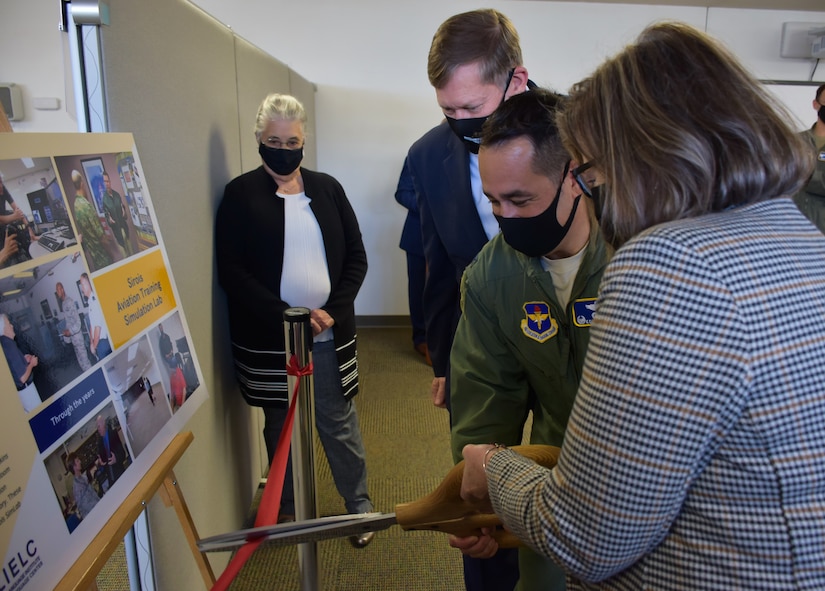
x=98, y=373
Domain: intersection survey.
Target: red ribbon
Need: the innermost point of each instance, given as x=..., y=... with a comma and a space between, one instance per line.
x=271, y=499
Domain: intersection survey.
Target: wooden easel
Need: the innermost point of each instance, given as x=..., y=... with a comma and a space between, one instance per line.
x=159, y=478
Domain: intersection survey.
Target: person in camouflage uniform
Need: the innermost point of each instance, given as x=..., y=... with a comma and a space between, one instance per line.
x=88, y=226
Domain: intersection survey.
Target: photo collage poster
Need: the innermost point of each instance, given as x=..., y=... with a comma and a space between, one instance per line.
x=98, y=372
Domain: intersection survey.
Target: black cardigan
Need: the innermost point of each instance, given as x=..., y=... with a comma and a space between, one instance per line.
x=249, y=242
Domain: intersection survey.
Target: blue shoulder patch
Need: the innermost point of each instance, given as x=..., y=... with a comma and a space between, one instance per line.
x=583, y=311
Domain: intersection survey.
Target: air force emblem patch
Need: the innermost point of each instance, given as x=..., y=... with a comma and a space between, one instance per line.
x=583, y=311
x=538, y=324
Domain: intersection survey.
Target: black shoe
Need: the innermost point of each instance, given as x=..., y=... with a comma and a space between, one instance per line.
x=363, y=540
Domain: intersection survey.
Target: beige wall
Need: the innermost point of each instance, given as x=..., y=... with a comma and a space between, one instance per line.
x=192, y=119
x=368, y=59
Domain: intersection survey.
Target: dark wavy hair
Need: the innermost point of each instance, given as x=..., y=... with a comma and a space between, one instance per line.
x=485, y=36
x=678, y=128
x=531, y=115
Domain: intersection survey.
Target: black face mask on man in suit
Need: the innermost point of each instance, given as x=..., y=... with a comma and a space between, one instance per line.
x=469, y=130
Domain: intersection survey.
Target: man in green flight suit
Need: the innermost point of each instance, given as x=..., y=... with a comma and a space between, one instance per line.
x=88, y=226
x=528, y=299
x=811, y=199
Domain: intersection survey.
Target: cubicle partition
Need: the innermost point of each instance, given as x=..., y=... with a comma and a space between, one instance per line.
x=188, y=88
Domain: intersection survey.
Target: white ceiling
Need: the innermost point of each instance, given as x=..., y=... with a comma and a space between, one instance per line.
x=813, y=5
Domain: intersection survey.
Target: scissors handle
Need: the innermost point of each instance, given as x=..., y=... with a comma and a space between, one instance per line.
x=444, y=510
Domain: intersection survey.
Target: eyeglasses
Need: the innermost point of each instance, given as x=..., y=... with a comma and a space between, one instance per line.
x=593, y=191
x=290, y=144
x=584, y=184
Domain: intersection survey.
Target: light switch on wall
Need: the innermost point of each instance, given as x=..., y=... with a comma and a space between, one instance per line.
x=45, y=103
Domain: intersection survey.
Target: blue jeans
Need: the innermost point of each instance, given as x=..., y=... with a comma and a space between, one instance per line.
x=337, y=422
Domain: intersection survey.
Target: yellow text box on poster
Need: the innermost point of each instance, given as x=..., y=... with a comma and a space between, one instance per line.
x=135, y=296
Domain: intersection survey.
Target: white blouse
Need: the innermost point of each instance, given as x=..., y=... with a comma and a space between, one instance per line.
x=305, y=276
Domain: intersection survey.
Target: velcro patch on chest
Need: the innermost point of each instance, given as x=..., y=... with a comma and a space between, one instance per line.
x=538, y=324
x=583, y=311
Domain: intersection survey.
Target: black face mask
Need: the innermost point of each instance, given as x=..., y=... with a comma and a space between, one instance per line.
x=280, y=160
x=821, y=113
x=469, y=130
x=541, y=234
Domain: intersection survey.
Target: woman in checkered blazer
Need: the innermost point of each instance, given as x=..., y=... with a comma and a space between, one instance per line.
x=695, y=454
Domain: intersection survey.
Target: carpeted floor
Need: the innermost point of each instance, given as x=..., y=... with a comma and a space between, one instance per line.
x=407, y=443
x=114, y=576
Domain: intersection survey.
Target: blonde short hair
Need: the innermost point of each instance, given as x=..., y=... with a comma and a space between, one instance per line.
x=77, y=179
x=279, y=106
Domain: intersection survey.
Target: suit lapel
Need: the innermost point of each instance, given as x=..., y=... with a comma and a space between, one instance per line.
x=462, y=207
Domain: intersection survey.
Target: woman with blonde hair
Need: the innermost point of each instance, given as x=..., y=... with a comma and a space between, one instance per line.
x=287, y=236
x=695, y=453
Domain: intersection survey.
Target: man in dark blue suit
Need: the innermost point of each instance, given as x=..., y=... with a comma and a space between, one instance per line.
x=475, y=64
x=416, y=263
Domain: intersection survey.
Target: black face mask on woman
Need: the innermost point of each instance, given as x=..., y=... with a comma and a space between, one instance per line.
x=280, y=160
x=541, y=234
x=469, y=130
